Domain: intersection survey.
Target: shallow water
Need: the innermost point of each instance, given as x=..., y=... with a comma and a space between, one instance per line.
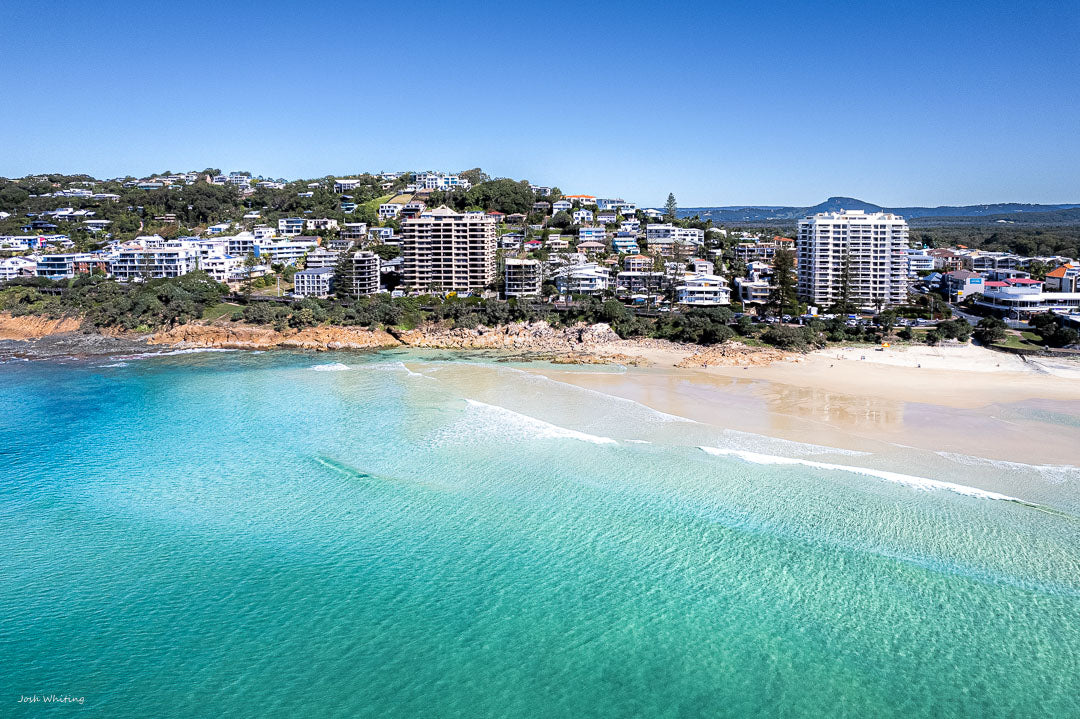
x=408, y=534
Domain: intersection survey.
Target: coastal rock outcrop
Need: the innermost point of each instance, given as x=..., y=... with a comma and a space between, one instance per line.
x=32, y=327
x=532, y=336
x=736, y=354
x=254, y=338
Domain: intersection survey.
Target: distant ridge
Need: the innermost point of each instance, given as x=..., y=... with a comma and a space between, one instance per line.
x=1007, y=211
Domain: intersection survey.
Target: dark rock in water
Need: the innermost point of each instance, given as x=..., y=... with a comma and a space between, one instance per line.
x=70, y=344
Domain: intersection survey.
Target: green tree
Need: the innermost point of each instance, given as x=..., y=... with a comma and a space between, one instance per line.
x=990, y=330
x=670, y=207
x=782, y=296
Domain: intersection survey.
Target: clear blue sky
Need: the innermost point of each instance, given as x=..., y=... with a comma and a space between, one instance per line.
x=763, y=103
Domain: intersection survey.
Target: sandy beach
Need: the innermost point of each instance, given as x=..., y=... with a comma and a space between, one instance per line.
x=963, y=399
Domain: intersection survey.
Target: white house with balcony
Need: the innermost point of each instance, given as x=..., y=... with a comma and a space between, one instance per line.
x=290, y=226
x=703, y=291
x=583, y=279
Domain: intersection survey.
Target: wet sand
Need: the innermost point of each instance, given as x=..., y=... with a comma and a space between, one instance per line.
x=1027, y=417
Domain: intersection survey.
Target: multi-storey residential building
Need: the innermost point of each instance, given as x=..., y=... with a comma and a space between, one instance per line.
x=345, y=185
x=314, y=282
x=592, y=234
x=638, y=263
x=321, y=257
x=323, y=223
x=582, y=279
x=703, y=291
x=439, y=181
x=684, y=235
x=354, y=231
x=242, y=243
x=362, y=274
x=67, y=265
x=290, y=226
x=13, y=267
x=285, y=251
x=447, y=250
x=625, y=243
x=946, y=260
x=920, y=261
x=753, y=291
x=154, y=258
x=1063, y=279
x=524, y=278
x=636, y=282
x=582, y=217
x=702, y=267
x=867, y=252
x=979, y=261
x=390, y=210
x=561, y=206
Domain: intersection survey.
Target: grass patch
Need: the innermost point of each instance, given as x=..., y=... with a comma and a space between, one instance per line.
x=219, y=310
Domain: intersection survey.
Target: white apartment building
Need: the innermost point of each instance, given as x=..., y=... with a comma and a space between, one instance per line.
x=873, y=248
x=390, y=210
x=703, y=291
x=13, y=267
x=313, y=282
x=221, y=268
x=284, y=251
x=684, y=235
x=582, y=217
x=354, y=231
x=752, y=291
x=439, y=181
x=446, y=250
x=583, y=279
x=321, y=224
x=561, y=206
x=290, y=226
x=363, y=274
x=321, y=257
x=592, y=234
x=345, y=185
x=524, y=278
x=920, y=261
x=244, y=242
x=154, y=258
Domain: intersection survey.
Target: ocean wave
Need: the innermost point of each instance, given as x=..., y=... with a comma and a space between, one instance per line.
x=536, y=428
x=662, y=416
x=749, y=441
x=905, y=479
x=1052, y=473
x=114, y=364
x=169, y=353
x=332, y=367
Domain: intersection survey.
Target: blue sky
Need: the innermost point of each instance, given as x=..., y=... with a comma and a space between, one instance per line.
x=762, y=103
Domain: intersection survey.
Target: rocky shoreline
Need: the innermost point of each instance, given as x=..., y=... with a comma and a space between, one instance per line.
x=39, y=337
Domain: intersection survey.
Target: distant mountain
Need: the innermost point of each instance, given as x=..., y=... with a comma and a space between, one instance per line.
x=1054, y=214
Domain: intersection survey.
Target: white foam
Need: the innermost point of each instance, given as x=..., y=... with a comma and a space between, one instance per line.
x=115, y=364
x=662, y=416
x=905, y=479
x=639, y=441
x=1053, y=473
x=167, y=353
x=333, y=367
x=538, y=427
x=752, y=442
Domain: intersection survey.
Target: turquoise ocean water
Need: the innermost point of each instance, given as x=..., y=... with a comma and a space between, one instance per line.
x=397, y=535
